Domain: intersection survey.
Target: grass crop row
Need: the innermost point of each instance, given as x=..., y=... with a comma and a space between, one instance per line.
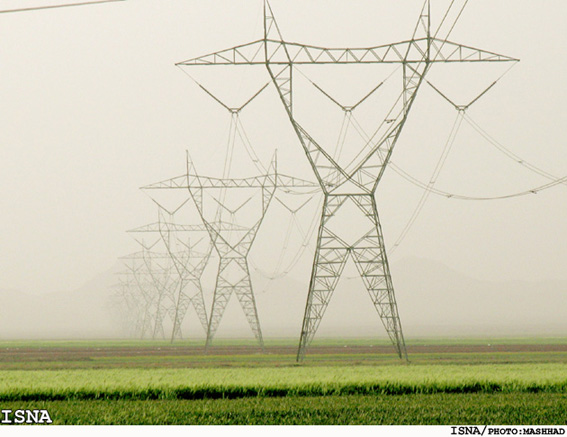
x=432, y=409
x=279, y=382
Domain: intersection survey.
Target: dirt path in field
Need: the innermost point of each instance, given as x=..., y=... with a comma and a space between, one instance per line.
x=79, y=353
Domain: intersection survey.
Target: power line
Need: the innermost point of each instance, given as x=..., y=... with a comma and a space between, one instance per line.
x=516, y=158
x=462, y=109
x=456, y=196
x=37, y=8
x=432, y=181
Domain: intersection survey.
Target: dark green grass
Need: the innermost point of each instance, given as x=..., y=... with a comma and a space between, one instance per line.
x=432, y=409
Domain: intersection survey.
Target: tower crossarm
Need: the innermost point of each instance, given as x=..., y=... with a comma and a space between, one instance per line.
x=284, y=181
x=447, y=51
x=184, y=182
x=244, y=54
x=411, y=51
x=172, y=183
x=157, y=227
x=404, y=52
x=251, y=182
x=269, y=180
x=142, y=255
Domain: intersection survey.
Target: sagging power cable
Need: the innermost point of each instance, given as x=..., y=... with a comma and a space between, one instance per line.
x=516, y=158
x=306, y=238
x=61, y=5
x=432, y=181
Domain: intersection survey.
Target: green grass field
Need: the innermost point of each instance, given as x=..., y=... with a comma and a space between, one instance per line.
x=419, y=409
x=479, y=381
x=217, y=383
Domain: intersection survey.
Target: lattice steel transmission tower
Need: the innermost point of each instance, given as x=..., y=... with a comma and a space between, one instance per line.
x=159, y=276
x=232, y=245
x=129, y=301
x=188, y=263
x=232, y=241
x=356, y=183
x=144, y=279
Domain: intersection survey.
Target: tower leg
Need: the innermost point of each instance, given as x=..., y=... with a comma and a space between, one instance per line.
x=158, y=325
x=369, y=255
x=370, y=258
x=223, y=291
x=146, y=325
x=234, y=276
x=245, y=296
x=184, y=302
x=198, y=302
x=330, y=257
x=180, y=311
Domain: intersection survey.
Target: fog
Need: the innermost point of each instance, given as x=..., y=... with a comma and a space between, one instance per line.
x=94, y=108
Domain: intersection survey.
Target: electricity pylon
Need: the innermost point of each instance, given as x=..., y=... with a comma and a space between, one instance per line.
x=189, y=265
x=232, y=243
x=354, y=184
x=157, y=282
x=140, y=282
x=150, y=279
x=130, y=304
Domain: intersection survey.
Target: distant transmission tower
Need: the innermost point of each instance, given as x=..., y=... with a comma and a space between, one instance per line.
x=188, y=263
x=232, y=242
x=356, y=183
x=139, y=281
x=128, y=304
x=232, y=245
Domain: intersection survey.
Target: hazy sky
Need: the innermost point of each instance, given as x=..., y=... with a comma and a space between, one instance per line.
x=93, y=108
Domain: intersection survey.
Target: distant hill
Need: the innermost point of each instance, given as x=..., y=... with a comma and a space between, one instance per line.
x=432, y=299
x=81, y=313
x=435, y=299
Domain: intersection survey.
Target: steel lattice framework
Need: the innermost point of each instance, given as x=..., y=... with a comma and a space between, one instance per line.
x=232, y=242
x=152, y=276
x=189, y=265
x=356, y=183
x=132, y=301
